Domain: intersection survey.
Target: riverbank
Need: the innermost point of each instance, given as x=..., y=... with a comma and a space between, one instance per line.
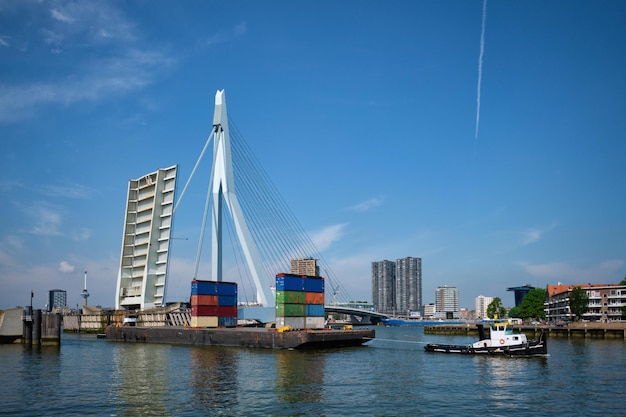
x=615, y=330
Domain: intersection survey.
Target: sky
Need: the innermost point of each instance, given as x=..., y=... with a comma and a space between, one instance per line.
x=487, y=138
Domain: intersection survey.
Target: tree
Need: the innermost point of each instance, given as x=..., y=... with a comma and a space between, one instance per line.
x=578, y=302
x=623, y=282
x=495, y=308
x=532, y=306
x=515, y=312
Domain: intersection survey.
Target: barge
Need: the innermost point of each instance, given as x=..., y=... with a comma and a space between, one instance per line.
x=246, y=337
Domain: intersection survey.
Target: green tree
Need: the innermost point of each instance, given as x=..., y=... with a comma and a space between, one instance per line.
x=495, y=308
x=623, y=282
x=532, y=306
x=578, y=302
x=515, y=312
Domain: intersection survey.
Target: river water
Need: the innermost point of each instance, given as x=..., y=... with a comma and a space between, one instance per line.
x=390, y=376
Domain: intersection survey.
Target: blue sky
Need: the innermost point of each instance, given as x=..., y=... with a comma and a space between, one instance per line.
x=368, y=106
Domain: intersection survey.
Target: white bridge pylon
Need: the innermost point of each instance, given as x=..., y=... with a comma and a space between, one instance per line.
x=222, y=191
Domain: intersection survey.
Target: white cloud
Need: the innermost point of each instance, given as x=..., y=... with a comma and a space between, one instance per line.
x=46, y=218
x=366, y=205
x=226, y=36
x=66, y=267
x=535, y=234
x=60, y=16
x=322, y=239
x=604, y=272
x=129, y=66
x=75, y=191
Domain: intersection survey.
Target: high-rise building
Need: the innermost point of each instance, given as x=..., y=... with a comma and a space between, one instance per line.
x=307, y=266
x=57, y=299
x=447, y=301
x=408, y=285
x=383, y=286
x=482, y=303
x=397, y=286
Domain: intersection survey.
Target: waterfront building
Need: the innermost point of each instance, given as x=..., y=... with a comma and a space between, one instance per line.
x=57, y=300
x=397, y=286
x=408, y=286
x=447, y=302
x=141, y=278
x=307, y=266
x=520, y=293
x=383, y=286
x=606, y=302
x=430, y=310
x=481, y=304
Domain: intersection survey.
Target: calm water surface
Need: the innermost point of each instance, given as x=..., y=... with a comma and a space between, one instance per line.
x=391, y=376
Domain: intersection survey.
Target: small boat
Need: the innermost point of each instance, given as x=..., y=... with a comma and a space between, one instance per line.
x=501, y=341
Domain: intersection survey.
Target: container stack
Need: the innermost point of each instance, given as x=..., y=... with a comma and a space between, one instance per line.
x=213, y=304
x=299, y=301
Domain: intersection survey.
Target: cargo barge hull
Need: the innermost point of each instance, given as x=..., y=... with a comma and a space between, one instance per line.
x=241, y=337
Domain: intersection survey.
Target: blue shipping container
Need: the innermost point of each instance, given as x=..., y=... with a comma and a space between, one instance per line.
x=203, y=288
x=313, y=284
x=227, y=288
x=314, y=310
x=289, y=283
x=227, y=321
x=226, y=300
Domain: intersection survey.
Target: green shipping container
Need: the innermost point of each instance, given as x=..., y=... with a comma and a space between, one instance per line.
x=290, y=297
x=290, y=310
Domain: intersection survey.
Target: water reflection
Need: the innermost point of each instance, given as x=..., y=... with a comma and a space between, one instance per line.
x=300, y=376
x=139, y=386
x=214, y=374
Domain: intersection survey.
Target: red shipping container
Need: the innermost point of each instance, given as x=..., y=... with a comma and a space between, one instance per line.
x=204, y=310
x=224, y=311
x=314, y=297
x=203, y=300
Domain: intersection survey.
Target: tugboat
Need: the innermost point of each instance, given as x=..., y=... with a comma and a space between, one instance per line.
x=501, y=341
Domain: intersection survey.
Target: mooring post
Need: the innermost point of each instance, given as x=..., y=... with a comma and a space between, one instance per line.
x=36, y=338
x=27, y=326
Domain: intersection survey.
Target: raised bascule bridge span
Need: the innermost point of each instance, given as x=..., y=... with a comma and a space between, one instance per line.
x=245, y=213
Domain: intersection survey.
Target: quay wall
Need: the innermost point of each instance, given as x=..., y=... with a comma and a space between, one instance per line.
x=573, y=330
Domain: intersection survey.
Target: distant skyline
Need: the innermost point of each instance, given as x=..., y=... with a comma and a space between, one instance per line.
x=486, y=138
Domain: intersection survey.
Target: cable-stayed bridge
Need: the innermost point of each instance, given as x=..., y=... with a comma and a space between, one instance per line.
x=243, y=204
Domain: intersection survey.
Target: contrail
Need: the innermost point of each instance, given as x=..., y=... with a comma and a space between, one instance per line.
x=480, y=66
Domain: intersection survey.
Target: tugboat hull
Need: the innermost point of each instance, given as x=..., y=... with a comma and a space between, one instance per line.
x=530, y=348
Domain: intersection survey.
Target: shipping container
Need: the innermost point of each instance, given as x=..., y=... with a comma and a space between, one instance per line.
x=227, y=300
x=314, y=322
x=314, y=298
x=204, y=311
x=227, y=321
x=227, y=288
x=289, y=283
x=213, y=288
x=290, y=310
x=227, y=311
x=203, y=300
x=314, y=284
x=290, y=297
x=203, y=321
x=203, y=287
x=314, y=310
x=293, y=322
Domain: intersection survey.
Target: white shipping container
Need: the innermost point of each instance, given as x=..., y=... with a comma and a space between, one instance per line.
x=203, y=321
x=314, y=322
x=292, y=322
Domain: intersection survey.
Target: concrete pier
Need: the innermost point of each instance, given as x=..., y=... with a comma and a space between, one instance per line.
x=39, y=329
